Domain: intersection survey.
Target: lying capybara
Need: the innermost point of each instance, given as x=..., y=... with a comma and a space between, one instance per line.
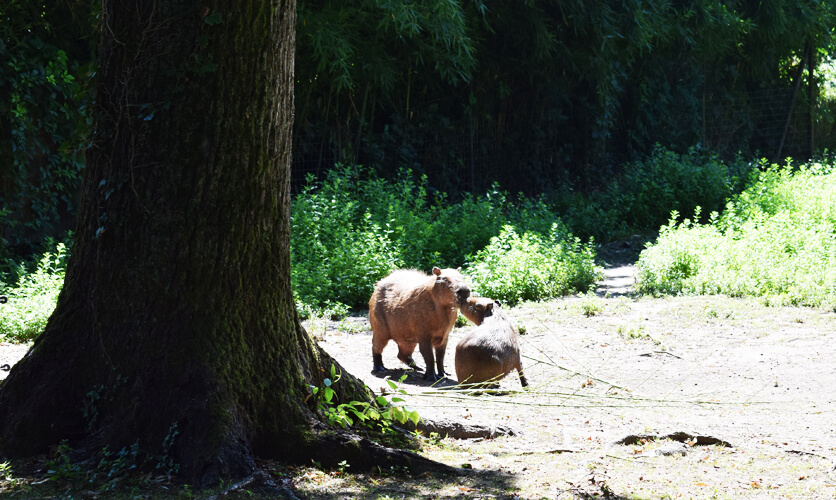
x=489, y=352
x=412, y=309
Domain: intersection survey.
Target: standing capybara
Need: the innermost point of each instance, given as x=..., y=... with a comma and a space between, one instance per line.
x=412, y=309
x=490, y=351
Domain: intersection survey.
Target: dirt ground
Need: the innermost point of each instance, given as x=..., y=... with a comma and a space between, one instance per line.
x=760, y=380
x=716, y=397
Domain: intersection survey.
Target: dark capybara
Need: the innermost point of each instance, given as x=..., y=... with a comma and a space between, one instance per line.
x=489, y=352
x=413, y=308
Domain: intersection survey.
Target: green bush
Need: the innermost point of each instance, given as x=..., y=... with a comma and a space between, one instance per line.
x=32, y=298
x=337, y=251
x=648, y=191
x=353, y=228
x=533, y=266
x=777, y=239
x=640, y=199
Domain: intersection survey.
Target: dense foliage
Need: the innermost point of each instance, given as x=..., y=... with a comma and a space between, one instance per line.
x=533, y=266
x=540, y=95
x=354, y=228
x=775, y=240
x=32, y=296
x=43, y=118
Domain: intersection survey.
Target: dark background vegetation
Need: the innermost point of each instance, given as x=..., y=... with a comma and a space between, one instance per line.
x=615, y=112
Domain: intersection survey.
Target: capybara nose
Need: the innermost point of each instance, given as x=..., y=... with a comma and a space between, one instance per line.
x=462, y=294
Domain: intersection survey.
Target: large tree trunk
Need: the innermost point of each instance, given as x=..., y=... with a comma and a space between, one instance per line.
x=176, y=319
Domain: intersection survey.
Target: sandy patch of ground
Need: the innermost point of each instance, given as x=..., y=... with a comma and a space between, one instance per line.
x=608, y=366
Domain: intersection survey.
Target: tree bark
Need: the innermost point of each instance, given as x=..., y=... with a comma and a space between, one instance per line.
x=176, y=327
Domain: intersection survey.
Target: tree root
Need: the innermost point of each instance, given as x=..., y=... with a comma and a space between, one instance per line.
x=262, y=485
x=460, y=430
x=331, y=447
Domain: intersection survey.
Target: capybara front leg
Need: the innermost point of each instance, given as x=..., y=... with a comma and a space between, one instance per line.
x=426, y=349
x=377, y=359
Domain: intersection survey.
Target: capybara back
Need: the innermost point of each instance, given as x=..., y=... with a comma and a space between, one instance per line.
x=489, y=352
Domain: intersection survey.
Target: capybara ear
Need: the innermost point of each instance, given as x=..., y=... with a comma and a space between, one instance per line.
x=498, y=303
x=436, y=271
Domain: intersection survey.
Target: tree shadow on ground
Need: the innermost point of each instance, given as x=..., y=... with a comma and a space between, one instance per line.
x=414, y=377
x=467, y=483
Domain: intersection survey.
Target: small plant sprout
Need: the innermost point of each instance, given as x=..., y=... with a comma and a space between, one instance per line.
x=378, y=413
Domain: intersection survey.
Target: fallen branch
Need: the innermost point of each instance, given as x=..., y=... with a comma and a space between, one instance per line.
x=649, y=354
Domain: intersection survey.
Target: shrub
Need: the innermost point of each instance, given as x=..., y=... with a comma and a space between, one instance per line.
x=641, y=198
x=649, y=190
x=32, y=299
x=337, y=251
x=532, y=266
x=777, y=240
x=353, y=228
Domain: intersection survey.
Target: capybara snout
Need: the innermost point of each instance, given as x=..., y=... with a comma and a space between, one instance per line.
x=489, y=352
x=413, y=308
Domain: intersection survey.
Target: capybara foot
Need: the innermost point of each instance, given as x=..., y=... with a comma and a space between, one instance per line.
x=378, y=363
x=432, y=377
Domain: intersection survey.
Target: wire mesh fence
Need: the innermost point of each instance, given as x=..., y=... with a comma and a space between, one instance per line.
x=473, y=153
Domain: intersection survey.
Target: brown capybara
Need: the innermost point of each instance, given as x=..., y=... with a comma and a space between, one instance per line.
x=476, y=308
x=489, y=352
x=413, y=308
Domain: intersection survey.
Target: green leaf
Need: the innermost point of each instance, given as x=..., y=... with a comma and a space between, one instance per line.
x=413, y=416
x=213, y=18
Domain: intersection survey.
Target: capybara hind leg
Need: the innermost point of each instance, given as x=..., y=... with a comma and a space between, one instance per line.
x=405, y=355
x=439, y=359
x=426, y=349
x=523, y=381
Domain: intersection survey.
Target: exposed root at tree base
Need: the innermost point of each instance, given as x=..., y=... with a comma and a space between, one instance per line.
x=332, y=447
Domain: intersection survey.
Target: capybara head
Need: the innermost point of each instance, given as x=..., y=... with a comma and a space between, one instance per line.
x=453, y=280
x=476, y=309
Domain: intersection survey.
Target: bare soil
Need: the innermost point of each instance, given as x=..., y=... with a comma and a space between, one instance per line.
x=709, y=397
x=610, y=366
